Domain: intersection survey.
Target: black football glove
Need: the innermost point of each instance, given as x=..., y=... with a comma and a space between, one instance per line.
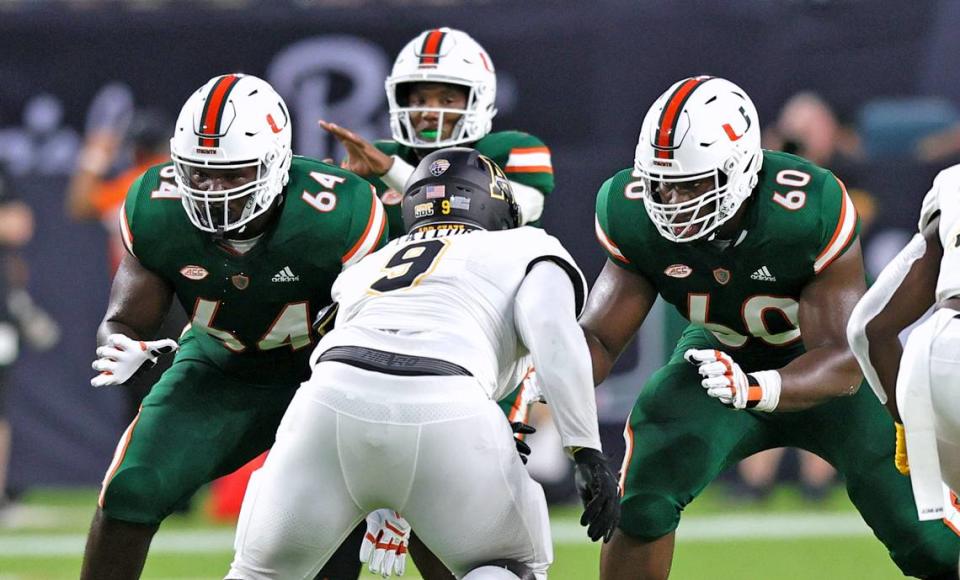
x=522, y=448
x=599, y=492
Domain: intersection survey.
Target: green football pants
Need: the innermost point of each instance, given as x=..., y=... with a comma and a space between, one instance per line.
x=679, y=439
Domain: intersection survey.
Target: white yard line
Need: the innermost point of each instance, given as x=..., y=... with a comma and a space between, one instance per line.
x=718, y=528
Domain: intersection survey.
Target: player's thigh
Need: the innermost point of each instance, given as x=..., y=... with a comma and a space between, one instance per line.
x=472, y=500
x=678, y=439
x=945, y=396
x=297, y=509
x=856, y=435
x=197, y=424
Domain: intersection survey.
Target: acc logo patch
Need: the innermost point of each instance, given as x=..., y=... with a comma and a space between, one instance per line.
x=423, y=209
x=678, y=271
x=721, y=275
x=192, y=272
x=391, y=197
x=438, y=167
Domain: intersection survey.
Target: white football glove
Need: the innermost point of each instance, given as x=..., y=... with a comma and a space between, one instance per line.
x=384, y=546
x=123, y=357
x=725, y=380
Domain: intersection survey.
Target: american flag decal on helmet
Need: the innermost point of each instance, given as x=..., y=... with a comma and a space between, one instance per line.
x=209, y=131
x=664, y=140
x=430, y=50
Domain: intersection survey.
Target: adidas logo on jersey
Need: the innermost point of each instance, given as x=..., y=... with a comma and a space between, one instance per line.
x=285, y=275
x=763, y=274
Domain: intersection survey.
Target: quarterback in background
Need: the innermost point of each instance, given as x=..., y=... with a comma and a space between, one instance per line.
x=919, y=382
x=442, y=93
x=249, y=239
x=400, y=409
x=759, y=250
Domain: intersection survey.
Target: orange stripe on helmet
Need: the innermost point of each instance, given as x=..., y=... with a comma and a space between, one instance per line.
x=671, y=114
x=430, y=51
x=213, y=110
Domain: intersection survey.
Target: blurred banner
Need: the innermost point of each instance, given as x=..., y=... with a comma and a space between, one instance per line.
x=580, y=75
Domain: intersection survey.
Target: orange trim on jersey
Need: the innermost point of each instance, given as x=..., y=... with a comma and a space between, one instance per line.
x=671, y=113
x=627, y=454
x=530, y=169
x=126, y=234
x=831, y=245
x=517, y=408
x=606, y=243
x=525, y=150
x=363, y=237
x=118, y=456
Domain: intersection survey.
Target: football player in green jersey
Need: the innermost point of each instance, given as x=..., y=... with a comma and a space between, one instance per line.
x=759, y=251
x=441, y=93
x=249, y=239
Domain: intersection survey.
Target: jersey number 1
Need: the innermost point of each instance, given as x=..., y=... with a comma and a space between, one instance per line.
x=408, y=266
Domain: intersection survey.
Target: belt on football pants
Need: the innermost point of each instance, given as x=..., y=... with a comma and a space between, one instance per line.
x=392, y=363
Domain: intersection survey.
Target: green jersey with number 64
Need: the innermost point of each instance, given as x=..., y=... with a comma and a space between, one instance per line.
x=251, y=313
x=798, y=220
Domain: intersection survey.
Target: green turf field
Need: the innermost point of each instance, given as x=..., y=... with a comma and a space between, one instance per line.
x=782, y=539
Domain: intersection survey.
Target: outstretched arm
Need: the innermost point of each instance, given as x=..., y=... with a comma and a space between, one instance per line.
x=902, y=293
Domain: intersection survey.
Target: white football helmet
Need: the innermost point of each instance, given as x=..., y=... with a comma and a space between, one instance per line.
x=232, y=122
x=701, y=127
x=443, y=55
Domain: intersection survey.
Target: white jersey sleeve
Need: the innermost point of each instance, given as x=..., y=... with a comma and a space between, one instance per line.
x=449, y=297
x=943, y=199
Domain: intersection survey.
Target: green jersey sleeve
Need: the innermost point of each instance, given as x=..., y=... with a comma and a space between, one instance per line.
x=840, y=224
x=611, y=222
x=523, y=157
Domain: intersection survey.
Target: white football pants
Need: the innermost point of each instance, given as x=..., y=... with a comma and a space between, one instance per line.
x=435, y=449
x=945, y=396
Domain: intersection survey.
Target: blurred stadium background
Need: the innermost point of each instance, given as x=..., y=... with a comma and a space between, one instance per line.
x=578, y=74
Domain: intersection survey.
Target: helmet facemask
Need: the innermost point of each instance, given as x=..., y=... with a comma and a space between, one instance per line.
x=472, y=125
x=220, y=211
x=701, y=216
x=702, y=129
x=231, y=153
x=446, y=57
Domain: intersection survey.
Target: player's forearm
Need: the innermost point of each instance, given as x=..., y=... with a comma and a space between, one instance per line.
x=601, y=357
x=817, y=376
x=546, y=322
x=883, y=359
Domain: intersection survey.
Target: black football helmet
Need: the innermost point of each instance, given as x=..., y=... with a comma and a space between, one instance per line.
x=457, y=185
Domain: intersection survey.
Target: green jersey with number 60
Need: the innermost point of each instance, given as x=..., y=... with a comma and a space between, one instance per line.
x=798, y=220
x=251, y=313
x=523, y=157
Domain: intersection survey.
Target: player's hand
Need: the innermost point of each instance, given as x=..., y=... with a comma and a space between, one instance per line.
x=599, y=492
x=725, y=380
x=523, y=450
x=900, y=456
x=362, y=157
x=122, y=358
x=384, y=546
